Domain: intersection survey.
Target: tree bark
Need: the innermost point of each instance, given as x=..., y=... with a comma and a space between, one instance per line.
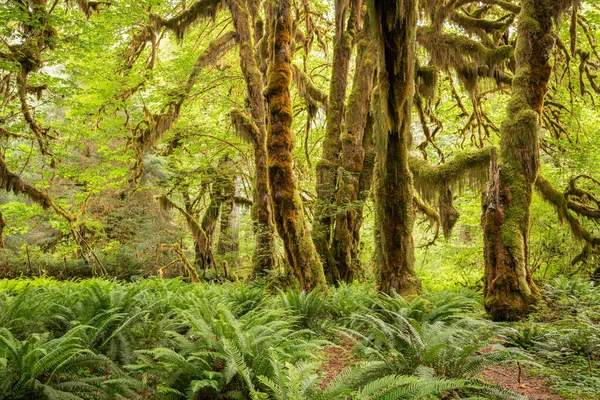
x=227, y=236
x=263, y=258
x=327, y=167
x=395, y=32
x=2, y=225
x=287, y=204
x=509, y=290
x=354, y=180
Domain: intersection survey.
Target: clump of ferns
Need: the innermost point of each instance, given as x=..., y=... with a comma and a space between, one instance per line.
x=42, y=367
x=397, y=345
x=445, y=306
x=347, y=299
x=526, y=335
x=310, y=309
x=410, y=388
x=222, y=354
x=566, y=296
x=572, y=338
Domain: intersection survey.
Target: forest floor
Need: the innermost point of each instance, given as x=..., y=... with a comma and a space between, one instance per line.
x=339, y=357
x=532, y=387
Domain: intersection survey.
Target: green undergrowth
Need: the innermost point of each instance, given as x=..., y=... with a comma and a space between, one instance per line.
x=564, y=338
x=167, y=339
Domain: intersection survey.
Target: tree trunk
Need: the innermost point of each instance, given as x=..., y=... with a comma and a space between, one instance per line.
x=395, y=32
x=263, y=258
x=354, y=181
x=287, y=204
x=509, y=290
x=2, y=225
x=327, y=167
x=227, y=235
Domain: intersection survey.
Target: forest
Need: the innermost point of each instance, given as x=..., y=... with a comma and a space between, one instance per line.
x=300, y=199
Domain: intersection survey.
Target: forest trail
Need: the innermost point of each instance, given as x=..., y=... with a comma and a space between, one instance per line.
x=337, y=358
x=508, y=377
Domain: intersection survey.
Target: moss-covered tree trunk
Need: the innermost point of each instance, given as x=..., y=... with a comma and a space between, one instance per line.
x=264, y=250
x=395, y=32
x=509, y=290
x=347, y=15
x=287, y=204
x=354, y=180
x=2, y=225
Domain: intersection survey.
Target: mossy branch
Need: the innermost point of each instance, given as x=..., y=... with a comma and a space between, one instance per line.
x=505, y=5
x=563, y=207
x=89, y=7
x=306, y=87
x=431, y=214
x=149, y=132
x=180, y=23
x=245, y=128
x=469, y=167
x=12, y=182
x=198, y=233
x=457, y=51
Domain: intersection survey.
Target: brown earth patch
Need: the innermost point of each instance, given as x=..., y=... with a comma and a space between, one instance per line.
x=508, y=377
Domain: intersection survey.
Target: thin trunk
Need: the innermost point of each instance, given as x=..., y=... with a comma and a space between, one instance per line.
x=209, y=224
x=395, y=26
x=263, y=258
x=509, y=290
x=227, y=237
x=2, y=225
x=349, y=199
x=327, y=167
x=287, y=204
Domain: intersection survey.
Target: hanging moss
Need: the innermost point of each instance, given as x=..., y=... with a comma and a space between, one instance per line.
x=464, y=169
x=245, y=128
x=89, y=7
x=180, y=23
x=12, y=182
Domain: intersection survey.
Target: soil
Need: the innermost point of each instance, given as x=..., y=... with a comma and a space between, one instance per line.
x=508, y=377
x=338, y=357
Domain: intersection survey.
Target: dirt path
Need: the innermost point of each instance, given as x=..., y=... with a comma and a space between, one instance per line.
x=508, y=377
x=337, y=358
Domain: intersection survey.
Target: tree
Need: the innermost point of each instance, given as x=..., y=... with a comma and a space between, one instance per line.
x=253, y=127
x=509, y=290
x=395, y=32
x=287, y=205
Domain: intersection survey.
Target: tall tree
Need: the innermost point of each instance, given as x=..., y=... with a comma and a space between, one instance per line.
x=347, y=19
x=287, y=205
x=395, y=23
x=509, y=290
x=355, y=176
x=253, y=128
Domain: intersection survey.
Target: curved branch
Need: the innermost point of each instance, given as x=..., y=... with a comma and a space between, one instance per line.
x=470, y=166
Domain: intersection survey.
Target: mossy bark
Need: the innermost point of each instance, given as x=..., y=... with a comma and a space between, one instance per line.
x=263, y=258
x=347, y=15
x=2, y=225
x=509, y=290
x=354, y=179
x=287, y=204
x=395, y=32
x=228, y=240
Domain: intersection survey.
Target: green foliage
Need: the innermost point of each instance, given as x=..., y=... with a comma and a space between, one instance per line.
x=165, y=339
